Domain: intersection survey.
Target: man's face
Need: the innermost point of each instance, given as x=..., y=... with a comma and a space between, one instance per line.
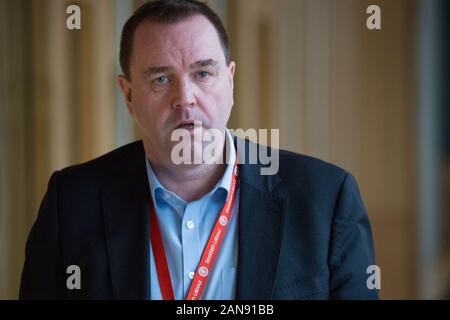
x=179, y=74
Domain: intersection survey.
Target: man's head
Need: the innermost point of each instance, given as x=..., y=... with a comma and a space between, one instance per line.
x=167, y=12
x=175, y=59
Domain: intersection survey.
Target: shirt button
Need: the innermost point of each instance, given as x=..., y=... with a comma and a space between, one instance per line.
x=191, y=275
x=190, y=224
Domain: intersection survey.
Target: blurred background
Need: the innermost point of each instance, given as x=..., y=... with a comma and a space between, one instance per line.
x=375, y=102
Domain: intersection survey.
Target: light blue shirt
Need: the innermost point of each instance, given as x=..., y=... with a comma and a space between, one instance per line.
x=185, y=230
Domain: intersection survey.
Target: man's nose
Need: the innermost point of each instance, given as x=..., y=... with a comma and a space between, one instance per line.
x=184, y=95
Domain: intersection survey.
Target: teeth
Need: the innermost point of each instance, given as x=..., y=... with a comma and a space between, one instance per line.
x=187, y=126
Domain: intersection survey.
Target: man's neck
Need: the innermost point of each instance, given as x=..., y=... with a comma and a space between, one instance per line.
x=189, y=182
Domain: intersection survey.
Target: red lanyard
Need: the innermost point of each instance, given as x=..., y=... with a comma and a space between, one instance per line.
x=208, y=256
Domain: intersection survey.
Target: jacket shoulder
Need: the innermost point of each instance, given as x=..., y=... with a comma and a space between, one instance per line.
x=105, y=166
x=295, y=165
x=311, y=179
x=297, y=171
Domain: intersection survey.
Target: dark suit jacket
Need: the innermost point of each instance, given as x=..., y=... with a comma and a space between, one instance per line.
x=303, y=233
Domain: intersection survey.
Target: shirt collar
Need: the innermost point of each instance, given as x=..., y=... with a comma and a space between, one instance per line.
x=223, y=183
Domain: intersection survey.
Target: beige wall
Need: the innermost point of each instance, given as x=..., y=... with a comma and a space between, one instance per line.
x=58, y=108
x=344, y=94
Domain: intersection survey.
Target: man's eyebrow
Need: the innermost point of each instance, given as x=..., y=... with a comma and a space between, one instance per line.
x=204, y=63
x=154, y=70
x=198, y=64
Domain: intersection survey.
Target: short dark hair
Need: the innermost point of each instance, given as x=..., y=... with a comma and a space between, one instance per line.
x=167, y=12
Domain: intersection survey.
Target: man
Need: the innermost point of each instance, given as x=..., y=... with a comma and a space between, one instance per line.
x=139, y=226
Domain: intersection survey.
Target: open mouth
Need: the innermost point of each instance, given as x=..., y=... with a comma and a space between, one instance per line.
x=188, y=126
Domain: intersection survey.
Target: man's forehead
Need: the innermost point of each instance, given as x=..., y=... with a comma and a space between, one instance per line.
x=193, y=34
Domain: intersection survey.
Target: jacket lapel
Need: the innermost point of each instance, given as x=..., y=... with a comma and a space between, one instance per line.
x=126, y=211
x=261, y=222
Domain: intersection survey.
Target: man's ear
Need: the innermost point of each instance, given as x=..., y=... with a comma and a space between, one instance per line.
x=125, y=87
x=231, y=71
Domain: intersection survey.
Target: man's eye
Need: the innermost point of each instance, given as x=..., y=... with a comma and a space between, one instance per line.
x=161, y=80
x=203, y=75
